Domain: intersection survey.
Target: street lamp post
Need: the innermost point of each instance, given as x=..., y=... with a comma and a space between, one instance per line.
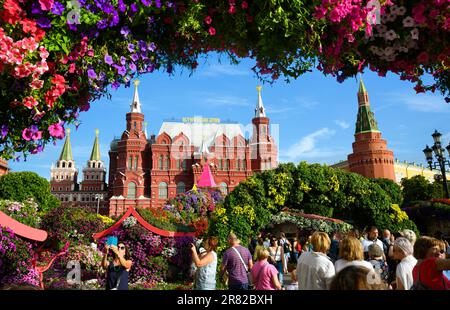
x=439, y=153
x=98, y=197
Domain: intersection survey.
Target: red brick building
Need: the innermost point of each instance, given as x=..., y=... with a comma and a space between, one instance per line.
x=370, y=156
x=146, y=171
x=92, y=191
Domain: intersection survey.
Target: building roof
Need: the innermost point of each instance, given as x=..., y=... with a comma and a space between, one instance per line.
x=66, y=153
x=132, y=212
x=22, y=229
x=365, y=120
x=95, y=154
x=135, y=106
x=259, y=110
x=201, y=133
x=206, y=179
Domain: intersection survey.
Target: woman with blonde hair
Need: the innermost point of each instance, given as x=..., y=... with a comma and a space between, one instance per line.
x=265, y=275
x=314, y=269
x=351, y=254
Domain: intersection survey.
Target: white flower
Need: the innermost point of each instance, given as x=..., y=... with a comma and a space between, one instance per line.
x=391, y=17
x=408, y=22
x=415, y=34
x=401, y=11
x=129, y=222
x=390, y=35
x=381, y=28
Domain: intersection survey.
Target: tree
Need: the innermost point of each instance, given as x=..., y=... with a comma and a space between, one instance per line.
x=392, y=189
x=20, y=186
x=415, y=189
x=56, y=59
x=311, y=188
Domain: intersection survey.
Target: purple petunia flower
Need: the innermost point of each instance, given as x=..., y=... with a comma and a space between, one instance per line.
x=115, y=85
x=158, y=3
x=142, y=45
x=108, y=59
x=122, y=7
x=132, y=66
x=115, y=19
x=36, y=8
x=122, y=70
x=134, y=57
x=72, y=27
x=131, y=47
x=152, y=47
x=108, y=8
x=102, y=76
x=169, y=4
x=38, y=149
x=91, y=74
x=125, y=31
x=44, y=22
x=146, y=2
x=150, y=68
x=123, y=60
x=4, y=131
x=102, y=24
x=133, y=7
x=57, y=8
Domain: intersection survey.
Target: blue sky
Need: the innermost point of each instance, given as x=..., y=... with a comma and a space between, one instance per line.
x=316, y=115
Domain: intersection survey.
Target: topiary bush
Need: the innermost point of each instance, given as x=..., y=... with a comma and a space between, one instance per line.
x=21, y=186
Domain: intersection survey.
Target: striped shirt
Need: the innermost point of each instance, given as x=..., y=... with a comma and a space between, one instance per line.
x=236, y=270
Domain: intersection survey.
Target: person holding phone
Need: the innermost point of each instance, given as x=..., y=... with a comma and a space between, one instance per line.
x=117, y=268
x=205, y=277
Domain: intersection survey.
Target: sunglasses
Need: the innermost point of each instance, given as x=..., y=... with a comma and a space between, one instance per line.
x=122, y=247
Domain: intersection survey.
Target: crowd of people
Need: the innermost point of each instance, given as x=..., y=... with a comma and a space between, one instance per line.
x=316, y=262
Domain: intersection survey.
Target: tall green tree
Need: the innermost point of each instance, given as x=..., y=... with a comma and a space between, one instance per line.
x=416, y=188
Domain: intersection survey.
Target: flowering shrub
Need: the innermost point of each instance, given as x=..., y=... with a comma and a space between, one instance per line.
x=152, y=255
x=69, y=223
x=56, y=58
x=26, y=212
x=16, y=257
x=129, y=222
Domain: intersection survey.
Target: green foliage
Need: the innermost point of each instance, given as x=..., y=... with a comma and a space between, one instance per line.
x=418, y=188
x=315, y=189
x=20, y=186
x=160, y=220
x=393, y=190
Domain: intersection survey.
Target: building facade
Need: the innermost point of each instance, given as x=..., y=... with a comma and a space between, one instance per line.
x=92, y=191
x=146, y=171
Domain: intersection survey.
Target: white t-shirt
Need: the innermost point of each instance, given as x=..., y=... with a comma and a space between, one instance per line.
x=366, y=243
x=404, y=271
x=314, y=271
x=342, y=263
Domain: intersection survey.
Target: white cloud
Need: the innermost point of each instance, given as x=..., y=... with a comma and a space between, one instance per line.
x=214, y=100
x=280, y=110
x=306, y=147
x=220, y=70
x=306, y=103
x=342, y=124
x=428, y=103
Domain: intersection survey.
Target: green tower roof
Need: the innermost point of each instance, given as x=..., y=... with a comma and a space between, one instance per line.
x=66, y=153
x=95, y=154
x=362, y=87
x=365, y=121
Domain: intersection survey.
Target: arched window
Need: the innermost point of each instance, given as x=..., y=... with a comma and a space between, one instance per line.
x=130, y=162
x=162, y=190
x=181, y=188
x=167, y=162
x=178, y=164
x=219, y=163
x=64, y=165
x=160, y=162
x=131, y=190
x=224, y=188
x=70, y=165
x=238, y=164
x=134, y=125
x=227, y=164
x=244, y=164
x=184, y=164
x=136, y=163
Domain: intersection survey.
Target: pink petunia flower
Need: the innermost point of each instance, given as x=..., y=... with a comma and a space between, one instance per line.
x=56, y=130
x=27, y=134
x=212, y=31
x=46, y=5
